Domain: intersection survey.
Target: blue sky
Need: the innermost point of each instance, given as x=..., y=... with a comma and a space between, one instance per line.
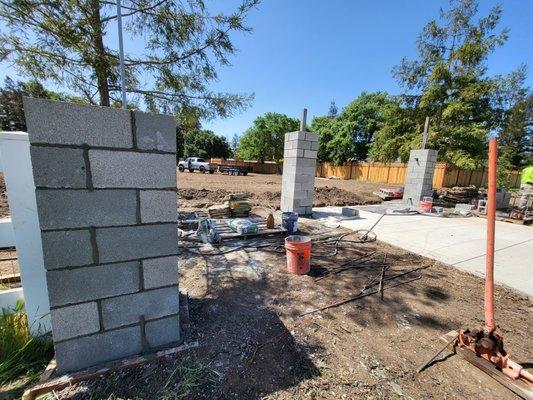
x=306, y=53
x=309, y=52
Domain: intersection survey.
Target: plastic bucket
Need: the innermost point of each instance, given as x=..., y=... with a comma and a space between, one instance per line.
x=289, y=220
x=426, y=204
x=298, y=249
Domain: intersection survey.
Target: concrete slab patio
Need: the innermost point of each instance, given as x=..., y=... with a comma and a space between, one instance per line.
x=459, y=242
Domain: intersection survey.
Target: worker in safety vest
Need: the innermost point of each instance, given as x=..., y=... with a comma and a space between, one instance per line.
x=526, y=185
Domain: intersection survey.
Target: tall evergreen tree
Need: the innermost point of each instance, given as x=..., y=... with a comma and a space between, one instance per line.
x=333, y=110
x=67, y=43
x=447, y=82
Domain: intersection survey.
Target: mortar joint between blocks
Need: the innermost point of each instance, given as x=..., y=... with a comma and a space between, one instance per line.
x=88, y=173
x=94, y=245
x=133, y=130
x=100, y=316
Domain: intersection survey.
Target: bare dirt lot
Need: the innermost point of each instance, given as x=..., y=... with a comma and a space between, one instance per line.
x=4, y=206
x=203, y=190
x=245, y=309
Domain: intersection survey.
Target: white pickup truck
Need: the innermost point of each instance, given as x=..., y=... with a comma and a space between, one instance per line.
x=195, y=164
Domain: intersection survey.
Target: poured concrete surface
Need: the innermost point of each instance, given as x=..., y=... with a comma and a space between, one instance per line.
x=460, y=242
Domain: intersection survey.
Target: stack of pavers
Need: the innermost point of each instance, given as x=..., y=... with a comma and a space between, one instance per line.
x=239, y=204
x=219, y=211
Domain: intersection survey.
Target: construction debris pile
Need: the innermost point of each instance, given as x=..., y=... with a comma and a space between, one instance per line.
x=236, y=205
x=459, y=194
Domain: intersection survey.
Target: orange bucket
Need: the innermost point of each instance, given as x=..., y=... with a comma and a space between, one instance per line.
x=426, y=205
x=298, y=250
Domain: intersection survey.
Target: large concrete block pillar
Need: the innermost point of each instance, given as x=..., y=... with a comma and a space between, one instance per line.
x=419, y=179
x=105, y=183
x=299, y=165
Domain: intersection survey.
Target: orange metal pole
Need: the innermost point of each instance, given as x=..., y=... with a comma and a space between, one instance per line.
x=490, y=324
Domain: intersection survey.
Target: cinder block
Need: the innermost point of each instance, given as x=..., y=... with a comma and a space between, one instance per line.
x=310, y=154
x=163, y=332
x=293, y=153
x=306, y=164
x=314, y=145
x=57, y=167
x=311, y=137
x=289, y=144
x=134, y=242
x=60, y=209
x=158, y=206
x=73, y=321
x=77, y=124
x=125, y=169
x=158, y=272
x=92, y=283
x=298, y=135
x=303, y=144
x=152, y=304
x=84, y=352
x=306, y=202
x=66, y=248
x=155, y=131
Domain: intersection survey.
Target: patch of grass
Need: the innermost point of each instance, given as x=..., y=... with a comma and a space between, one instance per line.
x=185, y=378
x=22, y=356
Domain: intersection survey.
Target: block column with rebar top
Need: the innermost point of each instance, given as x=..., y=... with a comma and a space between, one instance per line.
x=105, y=183
x=299, y=165
x=419, y=178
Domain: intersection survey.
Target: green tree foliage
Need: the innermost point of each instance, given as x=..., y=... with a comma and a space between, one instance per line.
x=348, y=136
x=513, y=120
x=448, y=83
x=205, y=144
x=67, y=43
x=11, y=108
x=264, y=140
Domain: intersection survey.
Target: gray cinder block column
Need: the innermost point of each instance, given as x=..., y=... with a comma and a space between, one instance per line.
x=419, y=178
x=299, y=165
x=106, y=197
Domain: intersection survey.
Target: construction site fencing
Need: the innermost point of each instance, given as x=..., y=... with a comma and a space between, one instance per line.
x=390, y=173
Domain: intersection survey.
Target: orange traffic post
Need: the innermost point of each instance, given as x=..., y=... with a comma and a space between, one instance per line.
x=490, y=323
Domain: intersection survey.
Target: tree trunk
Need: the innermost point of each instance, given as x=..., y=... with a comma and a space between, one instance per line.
x=100, y=63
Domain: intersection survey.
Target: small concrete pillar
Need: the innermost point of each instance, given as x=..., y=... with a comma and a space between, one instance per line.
x=18, y=174
x=299, y=167
x=419, y=179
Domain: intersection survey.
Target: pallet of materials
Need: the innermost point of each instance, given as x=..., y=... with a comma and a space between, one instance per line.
x=219, y=211
x=226, y=232
x=390, y=193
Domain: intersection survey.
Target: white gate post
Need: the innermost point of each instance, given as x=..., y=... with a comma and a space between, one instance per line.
x=18, y=175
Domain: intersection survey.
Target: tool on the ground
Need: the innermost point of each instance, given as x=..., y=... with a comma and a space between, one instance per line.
x=486, y=341
x=428, y=362
x=364, y=233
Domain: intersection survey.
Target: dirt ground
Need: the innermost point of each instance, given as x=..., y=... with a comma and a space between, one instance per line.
x=196, y=190
x=245, y=309
x=4, y=206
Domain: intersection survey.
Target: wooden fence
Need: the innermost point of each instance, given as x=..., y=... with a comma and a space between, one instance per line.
x=394, y=174
x=390, y=173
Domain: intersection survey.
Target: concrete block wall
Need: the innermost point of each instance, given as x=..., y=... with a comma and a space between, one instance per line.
x=106, y=197
x=419, y=178
x=299, y=163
